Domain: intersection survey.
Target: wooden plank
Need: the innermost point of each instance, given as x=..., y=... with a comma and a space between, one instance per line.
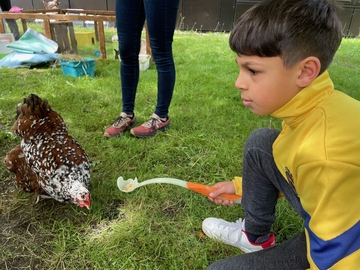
x=58, y=17
x=46, y=28
x=102, y=40
x=64, y=34
x=2, y=26
x=73, y=40
x=53, y=35
x=96, y=31
x=89, y=11
x=58, y=38
x=24, y=25
x=148, y=48
x=41, y=10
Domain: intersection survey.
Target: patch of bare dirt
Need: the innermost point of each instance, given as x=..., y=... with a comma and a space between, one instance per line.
x=20, y=234
x=26, y=228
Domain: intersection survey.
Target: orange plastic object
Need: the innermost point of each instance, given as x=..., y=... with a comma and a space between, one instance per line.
x=205, y=190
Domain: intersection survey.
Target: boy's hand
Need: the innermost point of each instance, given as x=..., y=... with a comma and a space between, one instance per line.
x=222, y=187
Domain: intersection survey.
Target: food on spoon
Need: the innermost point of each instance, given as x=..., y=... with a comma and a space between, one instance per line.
x=128, y=186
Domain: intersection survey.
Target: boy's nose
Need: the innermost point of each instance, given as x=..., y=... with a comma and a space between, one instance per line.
x=239, y=83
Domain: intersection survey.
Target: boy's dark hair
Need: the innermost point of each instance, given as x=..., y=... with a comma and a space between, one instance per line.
x=290, y=29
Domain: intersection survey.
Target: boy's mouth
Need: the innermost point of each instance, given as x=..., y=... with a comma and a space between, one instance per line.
x=246, y=102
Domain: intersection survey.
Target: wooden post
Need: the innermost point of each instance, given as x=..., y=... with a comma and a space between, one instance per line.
x=96, y=31
x=24, y=25
x=148, y=48
x=2, y=26
x=46, y=28
x=102, y=39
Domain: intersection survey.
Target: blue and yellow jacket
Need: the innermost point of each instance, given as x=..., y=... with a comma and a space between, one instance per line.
x=318, y=152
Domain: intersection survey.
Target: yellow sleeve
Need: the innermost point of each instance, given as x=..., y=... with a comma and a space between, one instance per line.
x=237, y=181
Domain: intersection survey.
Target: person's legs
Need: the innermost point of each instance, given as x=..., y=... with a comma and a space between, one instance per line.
x=13, y=28
x=161, y=18
x=130, y=18
x=288, y=255
x=5, y=5
x=262, y=182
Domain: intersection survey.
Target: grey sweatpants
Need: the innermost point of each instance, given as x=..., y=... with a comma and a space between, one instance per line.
x=13, y=28
x=262, y=182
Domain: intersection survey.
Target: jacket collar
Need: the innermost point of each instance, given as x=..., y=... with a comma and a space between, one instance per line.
x=308, y=99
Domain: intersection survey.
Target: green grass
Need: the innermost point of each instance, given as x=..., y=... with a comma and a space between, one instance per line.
x=156, y=226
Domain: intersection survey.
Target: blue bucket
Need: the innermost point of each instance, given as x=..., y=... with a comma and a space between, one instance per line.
x=78, y=68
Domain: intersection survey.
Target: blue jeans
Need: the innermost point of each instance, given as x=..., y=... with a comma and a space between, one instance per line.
x=161, y=19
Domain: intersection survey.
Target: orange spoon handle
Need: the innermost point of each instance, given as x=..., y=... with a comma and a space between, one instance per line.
x=205, y=190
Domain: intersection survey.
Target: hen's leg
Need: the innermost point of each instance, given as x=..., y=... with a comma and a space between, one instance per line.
x=42, y=196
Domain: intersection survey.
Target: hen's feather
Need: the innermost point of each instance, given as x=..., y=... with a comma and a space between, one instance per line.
x=60, y=164
x=25, y=178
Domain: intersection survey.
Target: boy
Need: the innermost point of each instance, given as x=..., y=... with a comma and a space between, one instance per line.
x=283, y=49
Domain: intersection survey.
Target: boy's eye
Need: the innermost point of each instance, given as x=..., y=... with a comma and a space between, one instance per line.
x=253, y=72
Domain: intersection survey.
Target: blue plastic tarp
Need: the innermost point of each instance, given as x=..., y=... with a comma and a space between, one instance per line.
x=27, y=60
x=33, y=42
x=31, y=49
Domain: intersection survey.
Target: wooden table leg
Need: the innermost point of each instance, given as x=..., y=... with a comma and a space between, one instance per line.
x=102, y=39
x=2, y=26
x=96, y=31
x=24, y=25
x=46, y=29
x=148, y=48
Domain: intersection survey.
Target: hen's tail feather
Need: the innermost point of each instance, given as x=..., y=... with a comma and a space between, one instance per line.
x=33, y=105
x=37, y=106
x=30, y=111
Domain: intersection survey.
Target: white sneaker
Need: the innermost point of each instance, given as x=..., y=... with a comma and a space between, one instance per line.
x=233, y=233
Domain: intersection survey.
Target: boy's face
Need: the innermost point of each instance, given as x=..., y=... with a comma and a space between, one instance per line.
x=265, y=84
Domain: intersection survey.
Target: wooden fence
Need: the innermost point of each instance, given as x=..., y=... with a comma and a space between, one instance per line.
x=204, y=15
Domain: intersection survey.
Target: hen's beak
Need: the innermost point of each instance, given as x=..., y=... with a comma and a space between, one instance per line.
x=85, y=202
x=82, y=204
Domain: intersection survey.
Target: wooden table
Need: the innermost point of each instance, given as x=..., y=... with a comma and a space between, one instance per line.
x=97, y=16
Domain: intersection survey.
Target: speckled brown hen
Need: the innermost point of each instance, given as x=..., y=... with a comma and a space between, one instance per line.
x=48, y=161
x=55, y=4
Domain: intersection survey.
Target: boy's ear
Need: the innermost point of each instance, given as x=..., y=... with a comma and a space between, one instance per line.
x=310, y=68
